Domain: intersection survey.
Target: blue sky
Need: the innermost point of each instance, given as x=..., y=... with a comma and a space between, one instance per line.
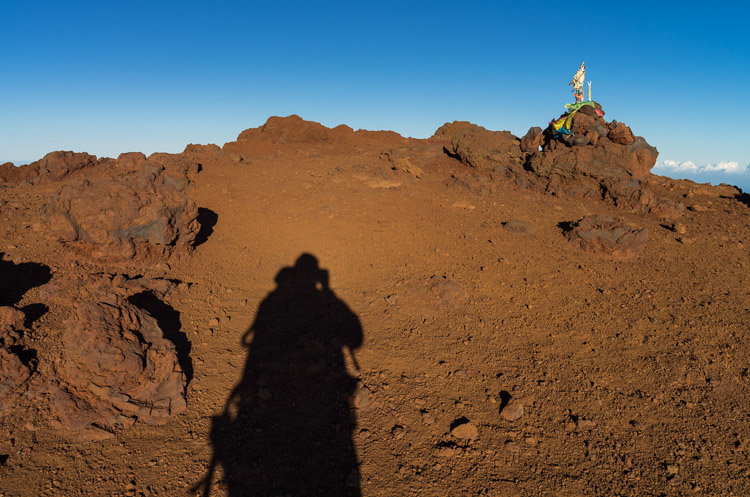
x=109, y=77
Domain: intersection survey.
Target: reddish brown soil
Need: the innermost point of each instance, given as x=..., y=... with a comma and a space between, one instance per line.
x=632, y=375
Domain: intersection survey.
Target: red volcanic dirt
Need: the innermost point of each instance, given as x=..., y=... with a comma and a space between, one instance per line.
x=314, y=311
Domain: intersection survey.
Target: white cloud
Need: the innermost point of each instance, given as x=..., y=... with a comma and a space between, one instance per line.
x=726, y=167
x=729, y=167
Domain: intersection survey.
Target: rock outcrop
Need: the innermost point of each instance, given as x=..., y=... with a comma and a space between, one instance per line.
x=13, y=371
x=116, y=367
x=597, y=159
x=498, y=152
x=142, y=208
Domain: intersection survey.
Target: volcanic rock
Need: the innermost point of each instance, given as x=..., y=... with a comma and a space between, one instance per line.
x=13, y=373
x=607, y=236
x=532, y=139
x=294, y=129
x=596, y=160
x=512, y=411
x=495, y=151
x=464, y=430
x=116, y=366
x=620, y=133
x=11, y=322
x=144, y=210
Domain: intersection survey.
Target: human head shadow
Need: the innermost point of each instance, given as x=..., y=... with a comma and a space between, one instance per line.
x=286, y=428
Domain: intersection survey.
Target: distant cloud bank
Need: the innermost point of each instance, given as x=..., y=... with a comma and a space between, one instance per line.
x=729, y=167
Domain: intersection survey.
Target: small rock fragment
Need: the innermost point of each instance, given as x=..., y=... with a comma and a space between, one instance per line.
x=398, y=432
x=465, y=431
x=512, y=411
x=584, y=424
x=519, y=226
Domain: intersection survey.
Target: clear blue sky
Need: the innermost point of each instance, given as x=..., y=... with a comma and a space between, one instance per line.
x=108, y=77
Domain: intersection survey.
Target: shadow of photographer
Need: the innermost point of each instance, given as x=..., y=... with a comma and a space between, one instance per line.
x=286, y=429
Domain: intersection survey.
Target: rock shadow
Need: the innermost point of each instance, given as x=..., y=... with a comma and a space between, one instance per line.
x=168, y=320
x=17, y=279
x=207, y=219
x=287, y=426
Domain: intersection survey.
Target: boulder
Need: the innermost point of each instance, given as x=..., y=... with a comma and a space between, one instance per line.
x=143, y=209
x=57, y=165
x=11, y=325
x=498, y=152
x=532, y=140
x=620, y=133
x=116, y=366
x=606, y=236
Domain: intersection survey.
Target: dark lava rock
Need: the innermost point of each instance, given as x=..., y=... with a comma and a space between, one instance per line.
x=607, y=236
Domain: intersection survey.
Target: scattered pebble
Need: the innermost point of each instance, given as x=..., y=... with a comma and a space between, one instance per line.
x=465, y=431
x=512, y=411
x=585, y=424
x=519, y=226
x=446, y=452
x=398, y=432
x=679, y=228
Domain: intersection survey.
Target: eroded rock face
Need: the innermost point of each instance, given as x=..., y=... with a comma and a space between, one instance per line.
x=54, y=166
x=532, y=140
x=13, y=372
x=143, y=210
x=607, y=236
x=11, y=322
x=496, y=151
x=117, y=367
x=599, y=159
x=294, y=129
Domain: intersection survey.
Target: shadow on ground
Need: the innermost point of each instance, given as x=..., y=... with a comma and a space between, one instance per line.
x=17, y=279
x=207, y=219
x=287, y=426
